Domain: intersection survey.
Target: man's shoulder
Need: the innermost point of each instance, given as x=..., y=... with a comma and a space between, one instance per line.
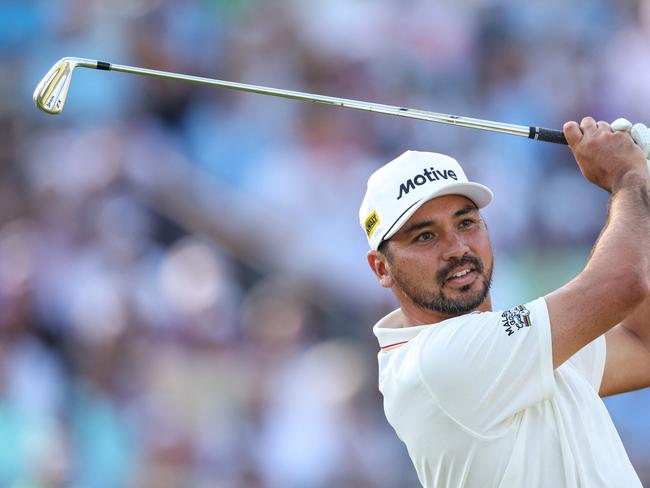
x=506, y=322
x=454, y=329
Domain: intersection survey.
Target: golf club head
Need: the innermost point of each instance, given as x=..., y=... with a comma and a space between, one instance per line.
x=51, y=92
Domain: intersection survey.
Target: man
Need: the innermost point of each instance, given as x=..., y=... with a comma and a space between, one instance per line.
x=509, y=398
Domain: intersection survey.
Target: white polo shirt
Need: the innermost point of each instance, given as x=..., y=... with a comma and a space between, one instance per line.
x=478, y=404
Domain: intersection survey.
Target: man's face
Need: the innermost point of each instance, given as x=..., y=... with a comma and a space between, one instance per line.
x=441, y=259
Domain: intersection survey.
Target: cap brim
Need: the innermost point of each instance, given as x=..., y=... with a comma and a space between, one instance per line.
x=481, y=195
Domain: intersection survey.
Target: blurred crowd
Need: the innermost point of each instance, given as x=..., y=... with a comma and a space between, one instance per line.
x=184, y=297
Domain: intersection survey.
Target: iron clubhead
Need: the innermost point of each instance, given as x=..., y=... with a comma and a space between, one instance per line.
x=51, y=92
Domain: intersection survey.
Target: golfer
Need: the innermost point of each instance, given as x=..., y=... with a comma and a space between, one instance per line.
x=509, y=398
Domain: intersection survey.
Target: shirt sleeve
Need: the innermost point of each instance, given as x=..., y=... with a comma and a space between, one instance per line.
x=590, y=361
x=483, y=368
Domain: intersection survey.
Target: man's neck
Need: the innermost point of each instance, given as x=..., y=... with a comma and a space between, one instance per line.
x=416, y=315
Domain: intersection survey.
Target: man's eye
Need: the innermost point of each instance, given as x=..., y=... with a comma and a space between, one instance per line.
x=425, y=236
x=466, y=223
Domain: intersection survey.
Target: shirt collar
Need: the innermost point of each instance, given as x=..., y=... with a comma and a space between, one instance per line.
x=390, y=332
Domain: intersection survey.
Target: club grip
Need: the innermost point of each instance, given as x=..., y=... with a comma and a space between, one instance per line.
x=547, y=135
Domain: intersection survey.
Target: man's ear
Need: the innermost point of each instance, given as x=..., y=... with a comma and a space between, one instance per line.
x=379, y=265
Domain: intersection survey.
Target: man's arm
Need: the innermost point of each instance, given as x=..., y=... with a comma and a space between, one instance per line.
x=616, y=278
x=627, y=365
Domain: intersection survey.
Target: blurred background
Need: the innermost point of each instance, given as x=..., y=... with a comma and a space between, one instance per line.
x=184, y=296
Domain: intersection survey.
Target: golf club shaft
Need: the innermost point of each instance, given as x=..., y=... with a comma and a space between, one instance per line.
x=532, y=132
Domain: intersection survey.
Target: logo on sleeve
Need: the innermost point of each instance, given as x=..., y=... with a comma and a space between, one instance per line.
x=516, y=318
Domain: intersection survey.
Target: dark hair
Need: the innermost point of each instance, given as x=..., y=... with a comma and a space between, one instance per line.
x=383, y=249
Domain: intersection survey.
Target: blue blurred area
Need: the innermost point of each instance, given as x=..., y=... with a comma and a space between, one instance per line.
x=184, y=298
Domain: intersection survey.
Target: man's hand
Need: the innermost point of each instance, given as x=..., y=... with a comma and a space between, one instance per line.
x=639, y=132
x=603, y=155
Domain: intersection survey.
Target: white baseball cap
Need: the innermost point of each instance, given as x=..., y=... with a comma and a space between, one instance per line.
x=397, y=189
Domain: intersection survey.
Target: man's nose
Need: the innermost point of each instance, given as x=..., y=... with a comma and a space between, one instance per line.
x=455, y=246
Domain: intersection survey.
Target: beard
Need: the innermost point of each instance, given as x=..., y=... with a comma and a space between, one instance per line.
x=438, y=301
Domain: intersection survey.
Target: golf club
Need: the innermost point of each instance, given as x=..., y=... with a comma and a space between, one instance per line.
x=52, y=91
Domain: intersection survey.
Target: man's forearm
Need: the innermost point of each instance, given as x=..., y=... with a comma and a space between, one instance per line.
x=622, y=250
x=625, y=241
x=615, y=280
x=638, y=321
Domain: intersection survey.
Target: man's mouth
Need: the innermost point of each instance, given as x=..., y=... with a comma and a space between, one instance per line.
x=460, y=272
x=462, y=276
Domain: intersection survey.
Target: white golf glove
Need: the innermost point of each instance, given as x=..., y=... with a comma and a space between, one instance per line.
x=639, y=132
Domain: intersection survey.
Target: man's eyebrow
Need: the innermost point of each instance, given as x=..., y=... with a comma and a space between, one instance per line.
x=428, y=223
x=417, y=226
x=465, y=210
